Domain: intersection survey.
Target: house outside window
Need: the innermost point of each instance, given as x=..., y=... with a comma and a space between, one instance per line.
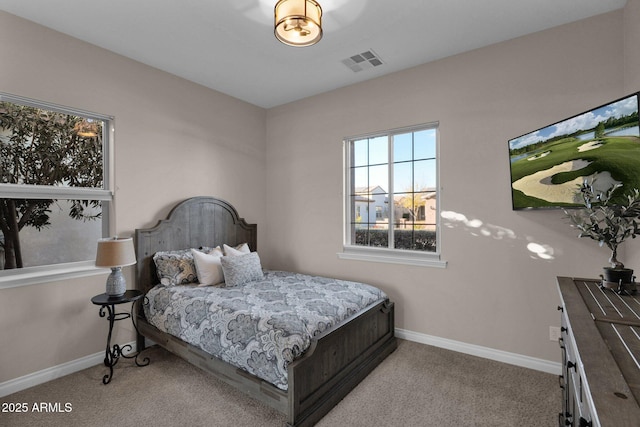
x=393, y=176
x=55, y=190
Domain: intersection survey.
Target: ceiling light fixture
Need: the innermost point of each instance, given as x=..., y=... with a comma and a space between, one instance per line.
x=298, y=22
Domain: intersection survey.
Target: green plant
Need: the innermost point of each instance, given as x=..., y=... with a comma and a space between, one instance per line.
x=607, y=222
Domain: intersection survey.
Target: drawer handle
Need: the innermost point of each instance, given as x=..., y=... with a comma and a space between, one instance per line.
x=561, y=381
x=564, y=419
x=585, y=423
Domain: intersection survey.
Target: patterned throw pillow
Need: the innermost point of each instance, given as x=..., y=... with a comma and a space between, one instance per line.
x=240, y=269
x=177, y=267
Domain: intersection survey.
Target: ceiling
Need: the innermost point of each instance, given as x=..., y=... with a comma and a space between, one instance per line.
x=228, y=45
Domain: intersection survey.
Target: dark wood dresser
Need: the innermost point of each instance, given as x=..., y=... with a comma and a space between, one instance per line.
x=600, y=344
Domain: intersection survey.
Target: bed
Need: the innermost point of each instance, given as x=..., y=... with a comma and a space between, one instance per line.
x=333, y=361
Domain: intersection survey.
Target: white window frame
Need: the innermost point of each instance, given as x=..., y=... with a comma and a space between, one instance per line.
x=56, y=272
x=389, y=255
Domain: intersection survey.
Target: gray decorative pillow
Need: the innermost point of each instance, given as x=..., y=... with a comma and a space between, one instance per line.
x=240, y=269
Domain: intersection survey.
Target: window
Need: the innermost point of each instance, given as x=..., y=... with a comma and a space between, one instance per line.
x=54, y=188
x=391, y=207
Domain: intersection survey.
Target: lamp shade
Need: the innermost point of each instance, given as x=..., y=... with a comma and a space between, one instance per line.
x=115, y=252
x=298, y=22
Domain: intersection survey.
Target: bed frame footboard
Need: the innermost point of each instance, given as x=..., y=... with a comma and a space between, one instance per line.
x=337, y=361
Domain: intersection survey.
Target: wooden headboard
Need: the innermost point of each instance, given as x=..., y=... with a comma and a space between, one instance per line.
x=195, y=222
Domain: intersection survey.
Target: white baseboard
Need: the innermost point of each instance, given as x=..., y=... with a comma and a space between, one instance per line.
x=49, y=374
x=40, y=377
x=485, y=352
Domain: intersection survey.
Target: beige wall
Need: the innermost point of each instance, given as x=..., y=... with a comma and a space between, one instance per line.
x=494, y=292
x=174, y=139
x=274, y=164
x=632, y=46
x=632, y=84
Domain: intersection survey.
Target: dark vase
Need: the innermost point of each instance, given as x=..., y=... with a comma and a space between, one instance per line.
x=620, y=279
x=618, y=274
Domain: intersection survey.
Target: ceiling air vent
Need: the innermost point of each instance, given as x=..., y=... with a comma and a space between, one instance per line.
x=362, y=61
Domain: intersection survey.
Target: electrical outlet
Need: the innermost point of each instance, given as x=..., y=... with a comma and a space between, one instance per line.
x=554, y=333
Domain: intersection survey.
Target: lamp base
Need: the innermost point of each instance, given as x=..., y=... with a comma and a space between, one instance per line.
x=116, y=283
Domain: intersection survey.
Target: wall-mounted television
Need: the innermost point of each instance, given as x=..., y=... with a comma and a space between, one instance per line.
x=548, y=165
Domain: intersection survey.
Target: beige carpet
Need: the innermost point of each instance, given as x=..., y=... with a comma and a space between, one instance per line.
x=417, y=385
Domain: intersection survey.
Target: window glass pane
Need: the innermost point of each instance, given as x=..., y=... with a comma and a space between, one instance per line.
x=425, y=144
x=361, y=236
x=425, y=175
x=360, y=152
x=366, y=179
x=378, y=150
x=371, y=217
x=403, y=238
x=42, y=147
x=427, y=208
x=360, y=179
x=403, y=147
x=55, y=231
x=414, y=237
x=371, y=205
x=372, y=236
x=404, y=208
x=402, y=177
x=357, y=210
x=361, y=211
x=379, y=177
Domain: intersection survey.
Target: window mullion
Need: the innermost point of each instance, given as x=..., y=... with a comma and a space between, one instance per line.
x=391, y=204
x=347, y=185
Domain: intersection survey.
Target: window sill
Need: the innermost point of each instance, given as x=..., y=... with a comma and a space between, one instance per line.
x=392, y=256
x=37, y=275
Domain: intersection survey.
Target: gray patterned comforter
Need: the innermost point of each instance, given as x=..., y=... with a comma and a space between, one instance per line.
x=260, y=326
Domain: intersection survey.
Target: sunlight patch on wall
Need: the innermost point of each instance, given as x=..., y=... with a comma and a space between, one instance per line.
x=477, y=227
x=540, y=251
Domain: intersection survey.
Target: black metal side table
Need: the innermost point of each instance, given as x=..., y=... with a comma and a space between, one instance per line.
x=113, y=354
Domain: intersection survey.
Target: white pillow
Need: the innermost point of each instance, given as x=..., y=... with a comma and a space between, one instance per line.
x=208, y=266
x=238, y=250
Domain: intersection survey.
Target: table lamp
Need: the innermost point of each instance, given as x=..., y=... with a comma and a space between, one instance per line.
x=115, y=253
